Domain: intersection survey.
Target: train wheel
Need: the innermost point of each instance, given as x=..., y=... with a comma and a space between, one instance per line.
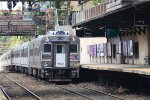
x=21, y=69
x=26, y=71
x=38, y=74
x=30, y=71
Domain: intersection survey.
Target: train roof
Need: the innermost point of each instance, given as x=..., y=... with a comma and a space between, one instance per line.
x=25, y=44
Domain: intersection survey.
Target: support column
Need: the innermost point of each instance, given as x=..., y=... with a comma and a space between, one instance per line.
x=148, y=32
x=122, y=58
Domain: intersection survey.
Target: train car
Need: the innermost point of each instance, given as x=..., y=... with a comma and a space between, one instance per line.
x=6, y=59
x=19, y=58
x=54, y=57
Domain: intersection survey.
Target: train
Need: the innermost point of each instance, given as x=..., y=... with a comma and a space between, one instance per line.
x=54, y=57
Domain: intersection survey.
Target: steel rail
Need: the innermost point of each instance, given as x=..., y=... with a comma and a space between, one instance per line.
x=24, y=88
x=76, y=93
x=108, y=94
x=6, y=95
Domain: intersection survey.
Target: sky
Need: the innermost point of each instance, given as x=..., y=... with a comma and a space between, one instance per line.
x=3, y=6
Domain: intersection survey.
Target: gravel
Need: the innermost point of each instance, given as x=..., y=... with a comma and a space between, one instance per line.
x=45, y=90
x=49, y=91
x=14, y=91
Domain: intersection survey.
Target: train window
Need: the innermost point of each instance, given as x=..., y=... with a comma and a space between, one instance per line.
x=22, y=52
x=12, y=55
x=60, y=48
x=47, y=47
x=73, y=48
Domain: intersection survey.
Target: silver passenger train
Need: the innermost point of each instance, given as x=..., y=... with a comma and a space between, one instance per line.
x=54, y=57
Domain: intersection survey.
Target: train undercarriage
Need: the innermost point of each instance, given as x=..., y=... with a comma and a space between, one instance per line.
x=61, y=74
x=52, y=74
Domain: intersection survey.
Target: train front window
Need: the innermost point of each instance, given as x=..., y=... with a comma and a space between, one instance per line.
x=73, y=48
x=60, y=48
x=47, y=47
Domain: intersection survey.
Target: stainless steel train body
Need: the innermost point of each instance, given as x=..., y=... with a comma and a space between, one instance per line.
x=54, y=57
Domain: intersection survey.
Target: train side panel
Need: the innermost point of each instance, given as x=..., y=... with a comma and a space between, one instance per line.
x=5, y=60
x=74, y=51
x=35, y=54
x=24, y=62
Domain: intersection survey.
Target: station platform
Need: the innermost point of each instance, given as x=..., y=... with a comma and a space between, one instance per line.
x=137, y=69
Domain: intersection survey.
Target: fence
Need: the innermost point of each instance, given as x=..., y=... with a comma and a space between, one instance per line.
x=88, y=14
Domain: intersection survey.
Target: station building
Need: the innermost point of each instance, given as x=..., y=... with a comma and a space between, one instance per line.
x=124, y=24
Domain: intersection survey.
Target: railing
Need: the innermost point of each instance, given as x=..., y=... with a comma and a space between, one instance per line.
x=17, y=26
x=16, y=22
x=102, y=8
x=88, y=14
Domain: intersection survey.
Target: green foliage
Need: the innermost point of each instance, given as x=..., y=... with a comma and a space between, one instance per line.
x=58, y=4
x=4, y=38
x=41, y=13
x=41, y=30
x=13, y=41
x=95, y=2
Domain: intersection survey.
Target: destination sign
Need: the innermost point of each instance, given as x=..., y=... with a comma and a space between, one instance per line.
x=58, y=33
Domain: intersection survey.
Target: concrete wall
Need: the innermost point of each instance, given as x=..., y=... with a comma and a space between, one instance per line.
x=84, y=42
x=143, y=47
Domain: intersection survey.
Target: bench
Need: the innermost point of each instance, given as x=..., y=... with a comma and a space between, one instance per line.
x=147, y=60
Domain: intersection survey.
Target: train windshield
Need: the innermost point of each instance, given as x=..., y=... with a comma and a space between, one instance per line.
x=47, y=47
x=60, y=48
x=73, y=48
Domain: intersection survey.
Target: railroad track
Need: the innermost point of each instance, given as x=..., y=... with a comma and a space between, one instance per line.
x=92, y=94
x=16, y=91
x=5, y=94
x=112, y=97
x=77, y=91
x=47, y=91
x=107, y=94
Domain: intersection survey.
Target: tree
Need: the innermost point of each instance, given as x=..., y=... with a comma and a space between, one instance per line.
x=95, y=2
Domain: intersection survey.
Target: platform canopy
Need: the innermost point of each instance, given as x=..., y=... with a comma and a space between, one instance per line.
x=128, y=20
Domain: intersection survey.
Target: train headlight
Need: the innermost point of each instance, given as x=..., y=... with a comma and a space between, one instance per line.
x=45, y=63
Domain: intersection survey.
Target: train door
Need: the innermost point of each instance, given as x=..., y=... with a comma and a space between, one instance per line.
x=60, y=55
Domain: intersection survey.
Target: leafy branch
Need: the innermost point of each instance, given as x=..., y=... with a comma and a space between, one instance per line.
x=95, y=2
